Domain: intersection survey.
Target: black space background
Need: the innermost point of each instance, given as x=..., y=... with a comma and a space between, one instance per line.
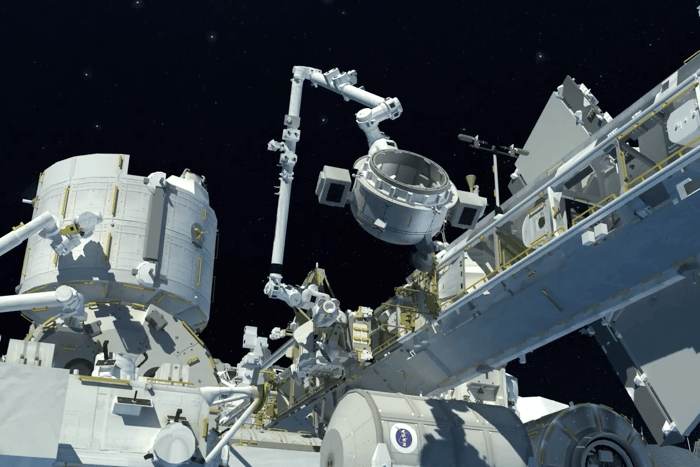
x=205, y=85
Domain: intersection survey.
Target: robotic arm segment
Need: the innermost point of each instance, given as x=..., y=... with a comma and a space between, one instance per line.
x=369, y=119
x=276, y=289
x=68, y=298
x=45, y=225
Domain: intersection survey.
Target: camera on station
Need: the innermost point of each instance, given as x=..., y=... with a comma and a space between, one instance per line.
x=333, y=186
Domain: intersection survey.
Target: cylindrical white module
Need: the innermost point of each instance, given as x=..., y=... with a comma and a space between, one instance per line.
x=155, y=243
x=375, y=428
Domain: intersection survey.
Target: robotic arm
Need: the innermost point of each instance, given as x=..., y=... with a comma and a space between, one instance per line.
x=324, y=309
x=68, y=298
x=379, y=109
x=62, y=240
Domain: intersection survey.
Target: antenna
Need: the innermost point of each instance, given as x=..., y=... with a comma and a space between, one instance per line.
x=495, y=182
x=471, y=179
x=476, y=143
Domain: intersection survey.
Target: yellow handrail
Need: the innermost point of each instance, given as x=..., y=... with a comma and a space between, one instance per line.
x=592, y=208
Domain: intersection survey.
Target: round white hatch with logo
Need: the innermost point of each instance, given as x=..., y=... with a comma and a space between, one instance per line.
x=404, y=438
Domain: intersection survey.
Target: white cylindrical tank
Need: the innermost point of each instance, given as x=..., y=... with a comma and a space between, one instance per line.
x=400, y=196
x=373, y=428
x=155, y=244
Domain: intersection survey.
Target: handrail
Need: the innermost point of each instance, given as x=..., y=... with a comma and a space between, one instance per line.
x=659, y=164
x=592, y=208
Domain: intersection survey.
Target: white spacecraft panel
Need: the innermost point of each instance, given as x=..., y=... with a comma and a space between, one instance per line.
x=189, y=183
x=127, y=222
x=67, y=189
x=683, y=124
x=660, y=335
x=93, y=433
x=189, y=242
x=421, y=431
x=110, y=264
x=246, y=456
x=30, y=431
x=532, y=408
x=90, y=166
x=555, y=134
x=653, y=143
x=539, y=225
x=30, y=353
x=457, y=274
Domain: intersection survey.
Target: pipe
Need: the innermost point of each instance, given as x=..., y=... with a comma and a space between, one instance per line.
x=495, y=179
x=229, y=434
x=235, y=397
x=279, y=353
x=287, y=161
x=63, y=296
x=347, y=90
x=285, y=192
x=14, y=238
x=212, y=392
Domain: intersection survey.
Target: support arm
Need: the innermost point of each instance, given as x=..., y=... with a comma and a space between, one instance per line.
x=342, y=83
x=324, y=309
x=379, y=108
x=210, y=393
x=43, y=223
x=288, y=160
x=229, y=434
x=66, y=297
x=369, y=119
x=62, y=241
